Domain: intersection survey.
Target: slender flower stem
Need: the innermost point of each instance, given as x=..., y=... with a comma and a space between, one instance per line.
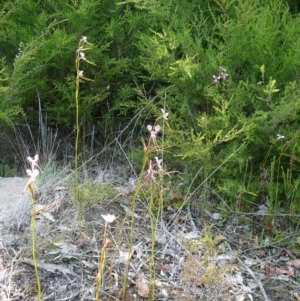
x=153, y=236
x=102, y=260
x=80, y=55
x=33, y=222
x=151, y=173
x=109, y=218
x=79, y=217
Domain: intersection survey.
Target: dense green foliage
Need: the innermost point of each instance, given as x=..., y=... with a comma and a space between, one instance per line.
x=151, y=54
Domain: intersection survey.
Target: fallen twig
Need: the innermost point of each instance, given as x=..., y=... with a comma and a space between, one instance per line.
x=255, y=279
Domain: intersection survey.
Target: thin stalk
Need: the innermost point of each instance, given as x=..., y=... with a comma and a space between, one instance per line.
x=154, y=225
x=79, y=217
x=153, y=234
x=79, y=74
x=33, y=222
x=101, y=266
x=133, y=205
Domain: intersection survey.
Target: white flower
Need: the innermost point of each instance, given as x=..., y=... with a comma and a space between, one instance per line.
x=84, y=39
x=165, y=114
x=33, y=175
x=222, y=69
x=109, y=218
x=80, y=73
x=33, y=160
x=82, y=55
x=158, y=162
x=223, y=72
x=280, y=136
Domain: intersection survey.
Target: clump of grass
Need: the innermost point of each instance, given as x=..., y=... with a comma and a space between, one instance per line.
x=92, y=192
x=6, y=171
x=200, y=267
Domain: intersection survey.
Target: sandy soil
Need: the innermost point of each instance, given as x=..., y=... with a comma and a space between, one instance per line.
x=12, y=197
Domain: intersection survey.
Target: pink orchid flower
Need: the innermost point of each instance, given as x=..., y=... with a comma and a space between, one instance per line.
x=216, y=78
x=153, y=130
x=150, y=172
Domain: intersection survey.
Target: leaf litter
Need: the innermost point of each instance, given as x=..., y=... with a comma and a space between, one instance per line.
x=193, y=260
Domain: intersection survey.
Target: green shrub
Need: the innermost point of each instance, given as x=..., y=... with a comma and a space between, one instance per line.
x=151, y=53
